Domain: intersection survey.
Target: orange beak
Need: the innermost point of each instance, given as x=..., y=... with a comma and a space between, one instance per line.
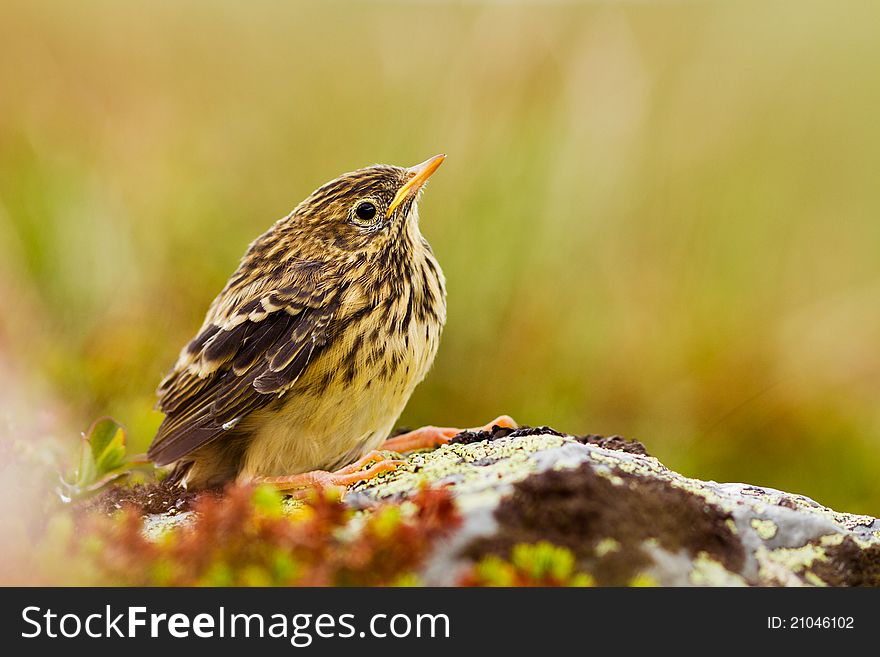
x=420, y=174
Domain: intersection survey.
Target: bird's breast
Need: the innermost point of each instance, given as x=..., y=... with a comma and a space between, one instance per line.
x=350, y=396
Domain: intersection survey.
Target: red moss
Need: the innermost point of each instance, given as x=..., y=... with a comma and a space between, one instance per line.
x=244, y=539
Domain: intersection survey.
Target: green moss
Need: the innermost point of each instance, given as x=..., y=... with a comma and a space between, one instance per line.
x=538, y=564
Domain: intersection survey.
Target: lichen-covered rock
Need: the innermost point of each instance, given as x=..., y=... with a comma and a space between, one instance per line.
x=623, y=514
x=616, y=511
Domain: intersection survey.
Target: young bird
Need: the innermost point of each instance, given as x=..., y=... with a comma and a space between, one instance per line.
x=308, y=356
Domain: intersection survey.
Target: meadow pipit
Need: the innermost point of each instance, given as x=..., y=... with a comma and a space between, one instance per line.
x=308, y=356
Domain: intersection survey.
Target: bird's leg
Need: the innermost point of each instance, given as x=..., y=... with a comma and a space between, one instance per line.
x=340, y=479
x=431, y=437
x=423, y=438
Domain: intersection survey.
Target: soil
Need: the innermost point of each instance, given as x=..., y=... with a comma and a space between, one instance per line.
x=468, y=437
x=158, y=497
x=618, y=443
x=849, y=565
x=579, y=509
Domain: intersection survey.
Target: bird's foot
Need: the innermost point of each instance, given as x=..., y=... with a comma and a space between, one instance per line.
x=431, y=437
x=339, y=480
x=375, y=462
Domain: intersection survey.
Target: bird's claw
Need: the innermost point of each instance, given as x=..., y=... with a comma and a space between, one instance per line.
x=431, y=437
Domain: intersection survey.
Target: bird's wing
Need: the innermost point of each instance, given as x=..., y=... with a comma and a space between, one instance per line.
x=254, y=345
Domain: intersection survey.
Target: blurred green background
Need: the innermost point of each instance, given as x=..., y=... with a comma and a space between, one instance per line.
x=657, y=219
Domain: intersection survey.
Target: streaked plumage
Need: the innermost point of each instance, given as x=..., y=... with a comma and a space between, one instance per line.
x=309, y=354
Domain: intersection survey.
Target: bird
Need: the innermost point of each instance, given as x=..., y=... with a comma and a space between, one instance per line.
x=309, y=354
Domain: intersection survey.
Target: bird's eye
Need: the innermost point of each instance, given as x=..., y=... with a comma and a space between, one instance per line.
x=365, y=211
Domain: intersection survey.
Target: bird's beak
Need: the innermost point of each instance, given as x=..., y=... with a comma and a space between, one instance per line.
x=420, y=174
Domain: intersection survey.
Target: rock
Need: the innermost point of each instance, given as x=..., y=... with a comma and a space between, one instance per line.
x=622, y=514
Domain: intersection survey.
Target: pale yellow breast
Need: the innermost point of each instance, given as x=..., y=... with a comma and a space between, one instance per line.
x=321, y=425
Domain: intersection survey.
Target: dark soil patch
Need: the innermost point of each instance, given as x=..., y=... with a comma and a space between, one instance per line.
x=468, y=437
x=618, y=443
x=578, y=508
x=159, y=497
x=849, y=565
x=611, y=442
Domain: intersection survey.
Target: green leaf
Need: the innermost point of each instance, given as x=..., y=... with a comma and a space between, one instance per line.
x=107, y=440
x=101, y=433
x=102, y=460
x=113, y=455
x=86, y=471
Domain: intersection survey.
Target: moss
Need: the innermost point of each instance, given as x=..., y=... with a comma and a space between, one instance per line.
x=245, y=539
x=643, y=580
x=541, y=564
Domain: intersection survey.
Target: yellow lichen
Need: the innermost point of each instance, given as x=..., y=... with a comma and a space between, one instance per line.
x=709, y=572
x=766, y=529
x=782, y=565
x=606, y=546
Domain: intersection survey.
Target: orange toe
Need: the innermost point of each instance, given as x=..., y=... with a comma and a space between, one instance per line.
x=431, y=437
x=500, y=421
x=339, y=480
x=423, y=438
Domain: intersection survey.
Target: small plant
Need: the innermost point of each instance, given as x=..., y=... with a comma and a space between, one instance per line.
x=536, y=564
x=530, y=564
x=245, y=538
x=103, y=459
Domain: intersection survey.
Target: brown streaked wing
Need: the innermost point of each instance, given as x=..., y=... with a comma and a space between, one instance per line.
x=231, y=372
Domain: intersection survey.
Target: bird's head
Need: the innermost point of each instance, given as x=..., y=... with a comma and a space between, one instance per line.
x=366, y=210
